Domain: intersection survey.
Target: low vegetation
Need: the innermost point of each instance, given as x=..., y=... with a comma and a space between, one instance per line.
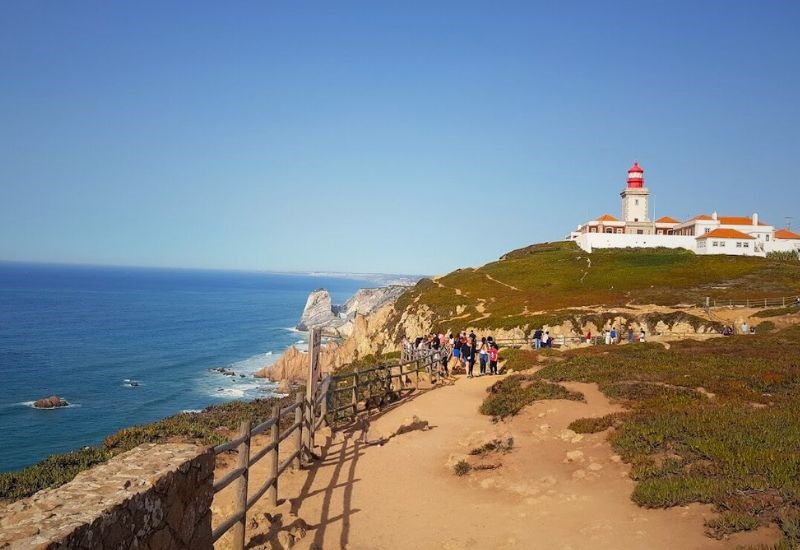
x=461, y=468
x=515, y=360
x=494, y=446
x=546, y=284
x=212, y=426
x=712, y=422
x=509, y=396
x=777, y=312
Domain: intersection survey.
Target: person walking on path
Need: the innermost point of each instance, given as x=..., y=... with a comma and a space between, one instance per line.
x=641, y=335
x=537, y=339
x=613, y=335
x=608, y=336
x=630, y=335
x=467, y=357
x=493, y=359
x=483, y=355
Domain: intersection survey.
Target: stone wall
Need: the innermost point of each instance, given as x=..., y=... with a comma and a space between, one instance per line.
x=152, y=497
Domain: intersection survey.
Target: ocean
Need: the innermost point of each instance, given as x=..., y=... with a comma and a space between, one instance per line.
x=86, y=333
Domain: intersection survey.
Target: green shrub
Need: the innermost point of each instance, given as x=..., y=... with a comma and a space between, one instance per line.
x=507, y=397
x=496, y=445
x=53, y=471
x=203, y=428
x=516, y=360
x=462, y=468
x=598, y=424
x=765, y=326
x=730, y=522
x=777, y=312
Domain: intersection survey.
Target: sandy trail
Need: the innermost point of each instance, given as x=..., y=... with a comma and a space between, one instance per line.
x=404, y=494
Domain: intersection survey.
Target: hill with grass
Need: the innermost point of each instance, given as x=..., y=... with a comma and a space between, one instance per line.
x=552, y=283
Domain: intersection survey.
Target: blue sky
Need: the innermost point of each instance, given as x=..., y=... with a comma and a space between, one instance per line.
x=403, y=137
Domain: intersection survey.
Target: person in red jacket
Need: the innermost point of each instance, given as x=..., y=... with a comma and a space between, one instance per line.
x=493, y=359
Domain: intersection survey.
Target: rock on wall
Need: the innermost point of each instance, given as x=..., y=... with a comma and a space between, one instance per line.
x=153, y=496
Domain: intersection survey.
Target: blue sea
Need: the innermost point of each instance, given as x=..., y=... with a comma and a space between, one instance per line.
x=85, y=333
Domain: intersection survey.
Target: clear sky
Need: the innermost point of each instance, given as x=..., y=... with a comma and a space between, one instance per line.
x=401, y=137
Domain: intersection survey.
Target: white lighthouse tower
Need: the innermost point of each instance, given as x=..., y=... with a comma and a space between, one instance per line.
x=635, y=203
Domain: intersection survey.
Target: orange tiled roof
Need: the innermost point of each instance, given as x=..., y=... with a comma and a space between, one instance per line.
x=737, y=220
x=725, y=234
x=701, y=217
x=667, y=219
x=786, y=234
x=607, y=218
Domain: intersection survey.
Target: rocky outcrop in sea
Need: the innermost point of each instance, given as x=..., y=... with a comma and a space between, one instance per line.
x=52, y=402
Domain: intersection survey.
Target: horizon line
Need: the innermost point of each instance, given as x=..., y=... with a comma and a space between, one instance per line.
x=314, y=272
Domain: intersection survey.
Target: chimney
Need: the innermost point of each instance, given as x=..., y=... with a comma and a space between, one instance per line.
x=714, y=215
x=755, y=219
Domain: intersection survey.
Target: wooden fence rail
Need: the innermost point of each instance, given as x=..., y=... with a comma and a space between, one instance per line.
x=375, y=387
x=308, y=413
x=755, y=302
x=245, y=461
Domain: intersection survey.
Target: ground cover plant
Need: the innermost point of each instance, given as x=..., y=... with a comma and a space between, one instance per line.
x=211, y=426
x=508, y=396
x=713, y=422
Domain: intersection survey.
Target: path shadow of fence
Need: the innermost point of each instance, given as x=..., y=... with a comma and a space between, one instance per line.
x=341, y=402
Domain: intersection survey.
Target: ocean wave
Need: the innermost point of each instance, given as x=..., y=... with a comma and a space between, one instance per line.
x=191, y=411
x=30, y=405
x=229, y=392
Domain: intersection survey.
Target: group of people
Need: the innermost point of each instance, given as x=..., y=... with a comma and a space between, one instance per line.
x=614, y=336
x=463, y=349
x=727, y=330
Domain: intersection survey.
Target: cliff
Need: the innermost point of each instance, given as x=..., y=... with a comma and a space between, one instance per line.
x=339, y=321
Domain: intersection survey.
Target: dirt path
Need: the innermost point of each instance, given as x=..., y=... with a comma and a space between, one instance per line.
x=501, y=282
x=555, y=489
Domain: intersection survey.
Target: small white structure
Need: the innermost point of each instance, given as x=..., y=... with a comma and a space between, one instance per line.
x=703, y=234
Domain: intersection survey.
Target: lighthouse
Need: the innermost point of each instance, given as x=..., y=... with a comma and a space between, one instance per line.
x=635, y=203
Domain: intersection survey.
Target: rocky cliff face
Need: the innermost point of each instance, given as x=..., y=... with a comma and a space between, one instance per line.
x=318, y=311
x=339, y=321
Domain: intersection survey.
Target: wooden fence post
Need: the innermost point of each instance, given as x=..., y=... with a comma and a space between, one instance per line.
x=243, y=462
x=314, y=340
x=419, y=365
x=275, y=431
x=298, y=433
x=355, y=393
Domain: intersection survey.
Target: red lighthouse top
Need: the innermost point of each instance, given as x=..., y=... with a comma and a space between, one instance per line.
x=635, y=175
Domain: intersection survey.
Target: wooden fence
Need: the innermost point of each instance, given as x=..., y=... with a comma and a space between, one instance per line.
x=240, y=475
x=374, y=387
x=755, y=302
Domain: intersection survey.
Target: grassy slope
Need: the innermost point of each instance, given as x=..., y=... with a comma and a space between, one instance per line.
x=739, y=450
x=554, y=277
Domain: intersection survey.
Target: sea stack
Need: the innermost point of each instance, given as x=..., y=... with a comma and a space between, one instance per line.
x=52, y=402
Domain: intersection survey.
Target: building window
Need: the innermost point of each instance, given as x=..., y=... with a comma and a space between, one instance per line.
x=767, y=237
x=659, y=232
x=636, y=202
x=747, y=245
x=706, y=230
x=738, y=244
x=722, y=243
x=639, y=232
x=715, y=243
x=609, y=230
x=619, y=230
x=636, y=219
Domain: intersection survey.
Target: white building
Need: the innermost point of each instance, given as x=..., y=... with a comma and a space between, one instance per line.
x=714, y=234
